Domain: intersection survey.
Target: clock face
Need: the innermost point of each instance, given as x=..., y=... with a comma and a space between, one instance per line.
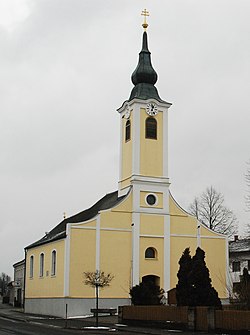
x=151, y=109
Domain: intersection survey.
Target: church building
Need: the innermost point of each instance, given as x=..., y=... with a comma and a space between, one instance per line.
x=136, y=233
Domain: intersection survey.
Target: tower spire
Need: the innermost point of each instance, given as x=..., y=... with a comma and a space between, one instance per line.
x=144, y=77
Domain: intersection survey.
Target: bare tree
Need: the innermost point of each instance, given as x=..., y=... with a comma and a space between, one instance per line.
x=247, y=178
x=97, y=279
x=4, y=280
x=247, y=231
x=210, y=210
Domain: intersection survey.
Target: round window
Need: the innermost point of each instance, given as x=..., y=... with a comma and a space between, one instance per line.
x=151, y=199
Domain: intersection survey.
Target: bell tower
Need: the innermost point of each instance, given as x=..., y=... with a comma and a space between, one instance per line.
x=144, y=161
x=144, y=127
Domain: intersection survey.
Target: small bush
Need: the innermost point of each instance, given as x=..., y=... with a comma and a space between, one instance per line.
x=146, y=293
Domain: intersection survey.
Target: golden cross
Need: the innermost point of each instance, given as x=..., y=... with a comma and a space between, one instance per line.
x=145, y=13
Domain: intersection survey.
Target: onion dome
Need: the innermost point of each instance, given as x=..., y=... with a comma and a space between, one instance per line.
x=144, y=77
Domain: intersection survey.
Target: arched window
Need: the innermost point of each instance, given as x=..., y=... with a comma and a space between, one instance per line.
x=53, y=263
x=31, y=266
x=41, y=264
x=151, y=128
x=150, y=253
x=128, y=131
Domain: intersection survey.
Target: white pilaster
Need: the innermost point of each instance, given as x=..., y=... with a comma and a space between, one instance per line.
x=136, y=140
x=98, y=241
x=166, y=258
x=135, y=248
x=165, y=143
x=67, y=260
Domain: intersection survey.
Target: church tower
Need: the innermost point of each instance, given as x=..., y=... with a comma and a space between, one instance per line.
x=144, y=133
x=144, y=152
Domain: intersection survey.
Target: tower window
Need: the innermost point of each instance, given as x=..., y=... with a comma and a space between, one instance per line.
x=128, y=131
x=150, y=253
x=151, y=128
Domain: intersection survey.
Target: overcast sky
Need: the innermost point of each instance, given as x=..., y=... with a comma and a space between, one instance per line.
x=65, y=68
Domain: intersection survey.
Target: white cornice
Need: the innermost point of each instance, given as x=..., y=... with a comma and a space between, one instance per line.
x=164, y=105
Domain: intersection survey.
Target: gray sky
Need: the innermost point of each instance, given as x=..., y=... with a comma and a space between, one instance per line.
x=65, y=68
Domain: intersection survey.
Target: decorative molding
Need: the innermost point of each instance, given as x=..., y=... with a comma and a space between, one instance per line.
x=135, y=249
x=195, y=236
x=167, y=242
x=98, y=242
x=67, y=259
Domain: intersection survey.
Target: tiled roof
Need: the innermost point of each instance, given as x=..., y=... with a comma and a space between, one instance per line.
x=108, y=201
x=239, y=245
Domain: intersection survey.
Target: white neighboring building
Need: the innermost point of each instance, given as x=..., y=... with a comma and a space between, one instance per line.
x=19, y=270
x=239, y=258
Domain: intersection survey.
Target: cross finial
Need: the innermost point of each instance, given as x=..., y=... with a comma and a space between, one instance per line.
x=145, y=13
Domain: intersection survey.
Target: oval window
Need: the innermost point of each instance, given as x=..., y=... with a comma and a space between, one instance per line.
x=151, y=199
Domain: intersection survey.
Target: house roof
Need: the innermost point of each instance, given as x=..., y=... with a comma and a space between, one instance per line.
x=108, y=201
x=239, y=245
x=22, y=262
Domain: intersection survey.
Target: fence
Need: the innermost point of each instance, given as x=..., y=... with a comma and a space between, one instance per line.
x=198, y=318
x=232, y=320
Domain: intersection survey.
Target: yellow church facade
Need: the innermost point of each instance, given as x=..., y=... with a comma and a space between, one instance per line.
x=136, y=233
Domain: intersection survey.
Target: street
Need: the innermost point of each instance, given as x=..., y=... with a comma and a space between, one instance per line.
x=8, y=326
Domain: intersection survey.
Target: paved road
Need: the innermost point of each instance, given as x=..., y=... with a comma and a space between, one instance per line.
x=15, y=327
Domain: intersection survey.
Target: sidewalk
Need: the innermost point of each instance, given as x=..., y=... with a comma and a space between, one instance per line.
x=17, y=314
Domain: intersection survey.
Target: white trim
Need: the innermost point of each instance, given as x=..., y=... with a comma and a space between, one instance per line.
x=165, y=143
x=89, y=228
x=198, y=235
x=41, y=264
x=139, y=179
x=33, y=263
x=164, y=104
x=117, y=229
x=155, y=236
x=121, y=152
x=67, y=260
x=52, y=264
x=106, y=228
x=136, y=140
x=166, y=258
x=156, y=199
x=135, y=248
x=195, y=236
x=98, y=241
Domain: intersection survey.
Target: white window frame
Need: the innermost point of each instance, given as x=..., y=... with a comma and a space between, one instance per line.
x=41, y=269
x=53, y=262
x=32, y=259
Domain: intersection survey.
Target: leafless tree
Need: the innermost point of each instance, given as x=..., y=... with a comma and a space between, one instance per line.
x=210, y=210
x=247, y=178
x=4, y=280
x=97, y=279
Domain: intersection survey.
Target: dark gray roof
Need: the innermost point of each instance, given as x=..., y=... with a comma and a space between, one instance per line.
x=239, y=246
x=108, y=201
x=144, y=77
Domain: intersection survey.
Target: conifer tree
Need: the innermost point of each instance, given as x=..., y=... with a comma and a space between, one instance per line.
x=243, y=288
x=201, y=291
x=194, y=287
x=182, y=287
